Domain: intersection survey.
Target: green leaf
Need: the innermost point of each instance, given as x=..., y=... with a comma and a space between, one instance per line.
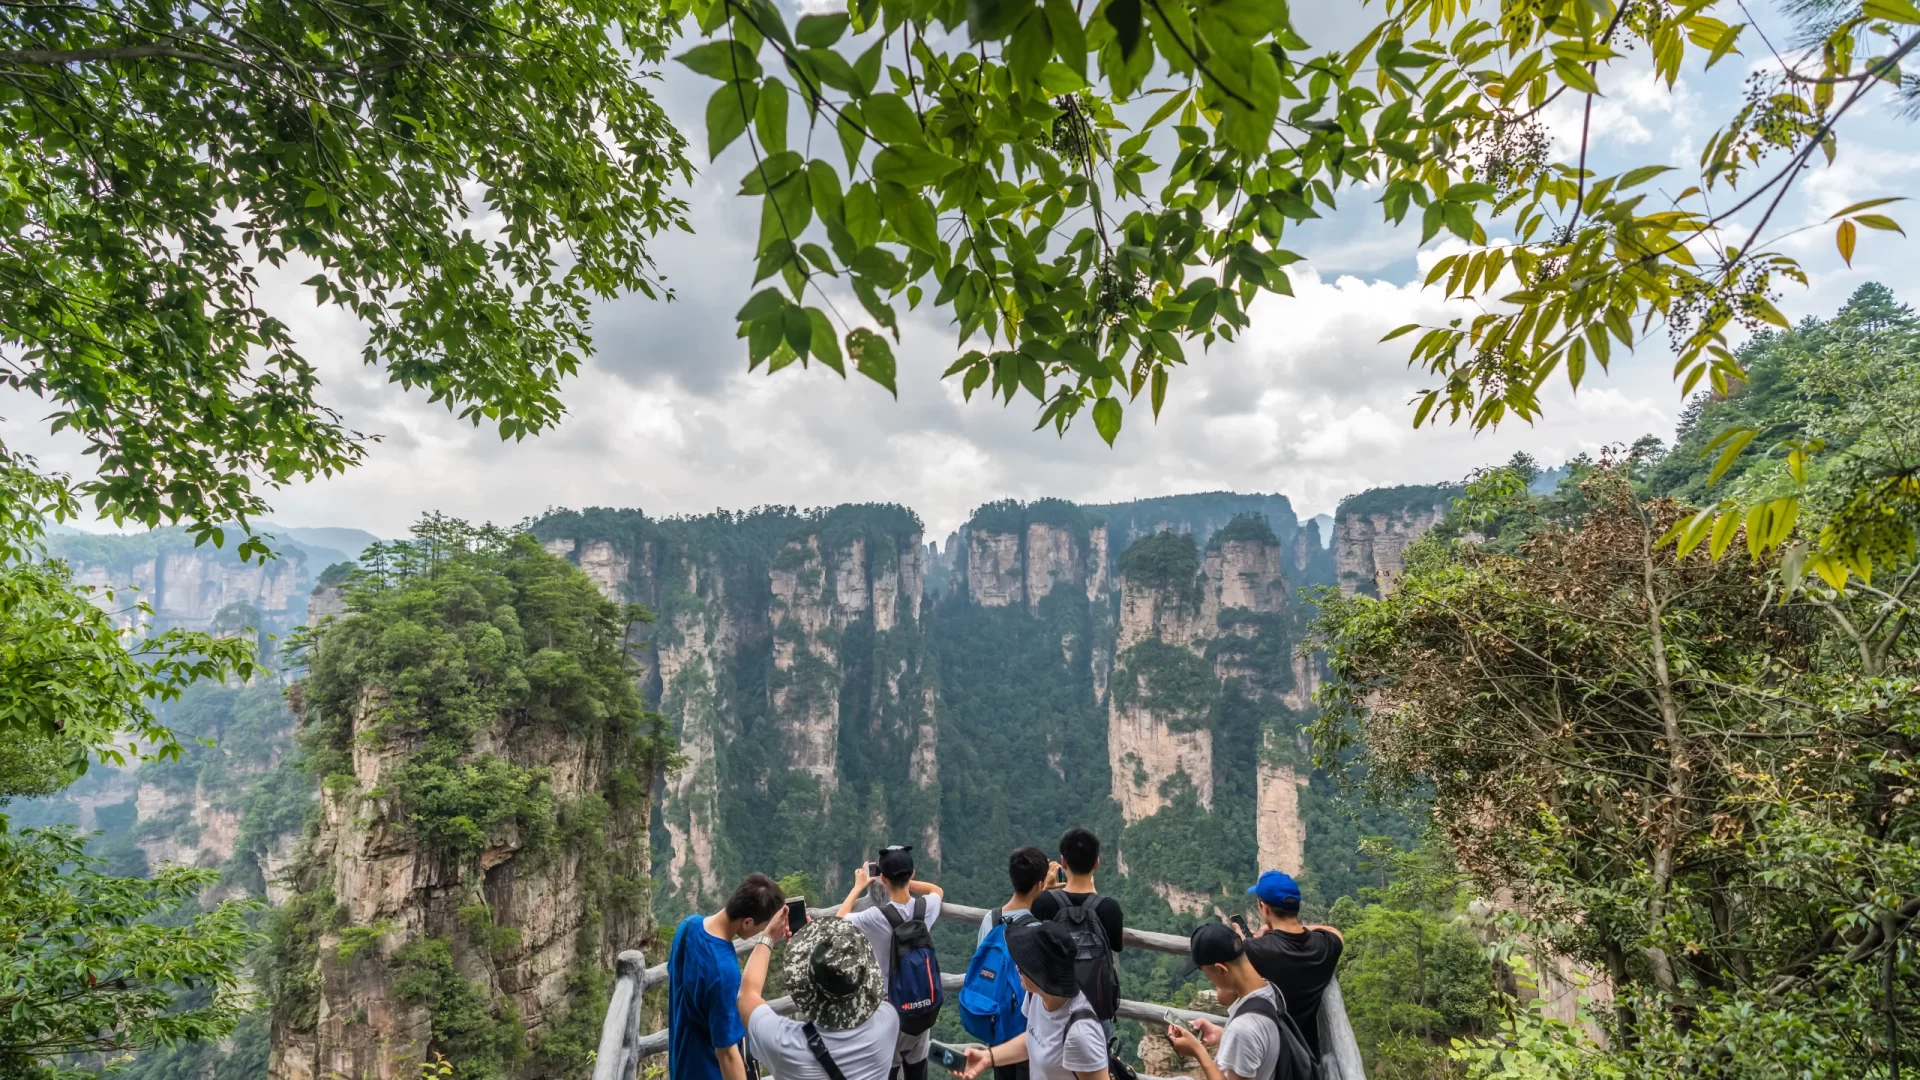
x=1736, y=440
x=1106, y=418
x=890, y=120
x=770, y=116
x=911, y=217
x=991, y=20
x=765, y=302
x=1724, y=529
x=823, y=185
x=1069, y=37
x=724, y=60
x=821, y=31
x=821, y=340
x=1029, y=50
x=1641, y=175
x=1868, y=205
x=1125, y=18
x=1400, y=330
x=1898, y=11
x=797, y=328
x=862, y=214
x=873, y=357
x=852, y=135
x=1576, y=77
x=912, y=166
x=1881, y=222
x=727, y=112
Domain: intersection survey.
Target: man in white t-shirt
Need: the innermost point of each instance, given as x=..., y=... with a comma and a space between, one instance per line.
x=1064, y=1039
x=1249, y=1044
x=840, y=1009
x=895, y=867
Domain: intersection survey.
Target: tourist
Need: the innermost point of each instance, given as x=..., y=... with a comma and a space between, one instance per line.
x=1098, y=937
x=1064, y=1039
x=1251, y=1041
x=991, y=1000
x=703, y=981
x=890, y=926
x=1296, y=958
x=840, y=1011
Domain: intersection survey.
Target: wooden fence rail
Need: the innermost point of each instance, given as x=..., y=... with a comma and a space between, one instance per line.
x=622, y=1047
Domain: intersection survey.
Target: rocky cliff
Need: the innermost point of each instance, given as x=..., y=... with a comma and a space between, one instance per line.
x=1371, y=532
x=199, y=587
x=787, y=655
x=481, y=849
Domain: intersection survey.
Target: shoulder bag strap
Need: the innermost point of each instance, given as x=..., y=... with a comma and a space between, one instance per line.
x=819, y=1047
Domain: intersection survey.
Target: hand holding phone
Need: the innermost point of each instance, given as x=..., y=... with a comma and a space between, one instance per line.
x=796, y=913
x=1240, y=924
x=873, y=871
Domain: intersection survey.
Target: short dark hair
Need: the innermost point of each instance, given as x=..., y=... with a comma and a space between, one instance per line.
x=1026, y=867
x=757, y=898
x=1080, y=850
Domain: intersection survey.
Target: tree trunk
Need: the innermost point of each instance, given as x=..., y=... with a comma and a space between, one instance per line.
x=1667, y=838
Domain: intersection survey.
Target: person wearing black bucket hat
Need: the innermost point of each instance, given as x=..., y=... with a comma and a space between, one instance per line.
x=1064, y=1039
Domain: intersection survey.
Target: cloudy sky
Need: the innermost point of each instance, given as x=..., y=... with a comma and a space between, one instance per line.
x=1309, y=403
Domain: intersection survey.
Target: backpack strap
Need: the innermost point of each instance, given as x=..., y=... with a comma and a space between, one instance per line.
x=819, y=1047
x=892, y=913
x=996, y=918
x=920, y=909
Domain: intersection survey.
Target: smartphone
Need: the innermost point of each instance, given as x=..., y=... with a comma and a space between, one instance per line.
x=796, y=913
x=1242, y=924
x=873, y=870
x=952, y=1059
x=1175, y=1021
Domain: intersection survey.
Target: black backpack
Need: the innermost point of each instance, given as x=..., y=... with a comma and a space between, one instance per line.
x=1117, y=1067
x=1296, y=1061
x=1093, y=968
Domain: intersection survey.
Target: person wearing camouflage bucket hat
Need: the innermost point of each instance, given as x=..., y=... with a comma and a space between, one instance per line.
x=839, y=1007
x=833, y=975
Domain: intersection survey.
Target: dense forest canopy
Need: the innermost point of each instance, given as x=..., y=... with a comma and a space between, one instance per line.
x=1694, y=781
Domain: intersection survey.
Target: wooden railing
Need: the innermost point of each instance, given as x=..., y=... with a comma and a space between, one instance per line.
x=622, y=1047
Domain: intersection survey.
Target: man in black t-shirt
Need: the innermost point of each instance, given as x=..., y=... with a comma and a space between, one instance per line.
x=1079, y=857
x=1298, y=958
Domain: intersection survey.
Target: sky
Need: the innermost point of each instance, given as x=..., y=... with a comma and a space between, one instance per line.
x=1309, y=403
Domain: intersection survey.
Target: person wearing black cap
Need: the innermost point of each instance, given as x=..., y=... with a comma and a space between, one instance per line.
x=1250, y=1042
x=906, y=893
x=1297, y=958
x=1063, y=1040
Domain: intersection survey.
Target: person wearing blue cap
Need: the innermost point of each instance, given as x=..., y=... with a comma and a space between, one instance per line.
x=1297, y=958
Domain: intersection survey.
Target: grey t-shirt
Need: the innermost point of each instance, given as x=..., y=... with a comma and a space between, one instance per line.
x=1249, y=1045
x=873, y=923
x=862, y=1053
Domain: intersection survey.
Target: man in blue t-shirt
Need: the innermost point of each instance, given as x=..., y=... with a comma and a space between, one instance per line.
x=703, y=980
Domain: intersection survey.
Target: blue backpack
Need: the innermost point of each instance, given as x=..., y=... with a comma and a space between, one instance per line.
x=991, y=996
x=914, y=988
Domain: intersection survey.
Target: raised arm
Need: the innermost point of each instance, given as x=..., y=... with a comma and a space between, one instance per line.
x=917, y=887
x=754, y=979
x=860, y=881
